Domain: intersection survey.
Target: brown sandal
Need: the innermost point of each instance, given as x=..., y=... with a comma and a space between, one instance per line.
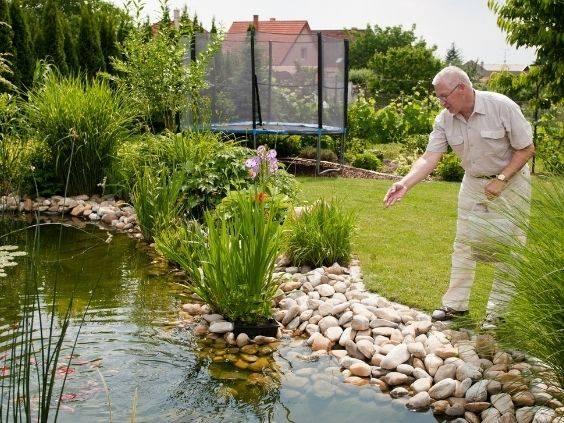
x=446, y=313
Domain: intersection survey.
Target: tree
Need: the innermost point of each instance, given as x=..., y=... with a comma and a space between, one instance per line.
x=453, y=56
x=108, y=40
x=24, y=60
x=89, y=51
x=539, y=25
x=377, y=40
x=401, y=69
x=70, y=47
x=52, y=41
x=6, y=33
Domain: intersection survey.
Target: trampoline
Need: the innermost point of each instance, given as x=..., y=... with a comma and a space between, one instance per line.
x=261, y=83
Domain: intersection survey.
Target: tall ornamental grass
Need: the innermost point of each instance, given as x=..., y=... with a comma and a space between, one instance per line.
x=319, y=235
x=231, y=269
x=534, y=319
x=82, y=122
x=157, y=197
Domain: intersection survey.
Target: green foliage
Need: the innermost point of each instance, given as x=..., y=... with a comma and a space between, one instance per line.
x=325, y=154
x=517, y=87
x=361, y=77
x=402, y=69
x=24, y=60
x=362, y=119
x=407, y=115
x=367, y=160
x=274, y=201
x=52, y=42
x=415, y=144
x=449, y=168
x=154, y=73
x=537, y=25
x=535, y=272
x=18, y=158
x=156, y=197
x=377, y=40
x=6, y=32
x=89, y=51
x=320, y=235
x=231, y=269
x=83, y=123
x=212, y=167
x=550, y=140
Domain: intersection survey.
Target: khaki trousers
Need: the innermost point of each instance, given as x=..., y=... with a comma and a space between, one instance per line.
x=475, y=212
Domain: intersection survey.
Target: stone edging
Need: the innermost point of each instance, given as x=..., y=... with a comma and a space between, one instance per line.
x=117, y=214
x=458, y=374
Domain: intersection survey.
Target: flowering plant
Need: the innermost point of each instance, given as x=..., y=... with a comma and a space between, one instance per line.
x=263, y=164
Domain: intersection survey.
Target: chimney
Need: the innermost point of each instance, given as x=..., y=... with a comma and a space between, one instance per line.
x=176, y=14
x=272, y=19
x=255, y=22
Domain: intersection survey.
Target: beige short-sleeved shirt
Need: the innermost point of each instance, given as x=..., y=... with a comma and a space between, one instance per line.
x=486, y=142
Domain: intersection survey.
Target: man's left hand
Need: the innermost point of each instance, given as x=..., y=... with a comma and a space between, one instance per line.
x=494, y=188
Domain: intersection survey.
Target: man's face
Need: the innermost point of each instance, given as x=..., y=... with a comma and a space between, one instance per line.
x=450, y=96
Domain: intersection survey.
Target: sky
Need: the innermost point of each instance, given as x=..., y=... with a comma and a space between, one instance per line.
x=467, y=23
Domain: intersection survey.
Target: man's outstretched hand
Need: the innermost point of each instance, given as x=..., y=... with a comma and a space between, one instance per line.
x=396, y=192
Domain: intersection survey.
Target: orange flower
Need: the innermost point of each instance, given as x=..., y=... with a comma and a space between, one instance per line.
x=261, y=197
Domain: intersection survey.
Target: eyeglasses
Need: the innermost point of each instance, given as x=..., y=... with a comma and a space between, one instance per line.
x=444, y=98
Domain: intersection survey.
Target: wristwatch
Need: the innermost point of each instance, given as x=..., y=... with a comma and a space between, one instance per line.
x=501, y=177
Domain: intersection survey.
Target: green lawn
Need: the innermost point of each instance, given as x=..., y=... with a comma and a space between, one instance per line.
x=404, y=250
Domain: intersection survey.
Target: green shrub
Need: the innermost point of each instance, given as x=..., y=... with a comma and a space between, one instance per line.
x=156, y=197
x=320, y=235
x=367, y=160
x=389, y=151
x=550, y=145
x=325, y=154
x=449, y=168
x=361, y=77
x=389, y=125
x=231, y=269
x=82, y=123
x=362, y=119
x=18, y=159
x=211, y=166
x=415, y=144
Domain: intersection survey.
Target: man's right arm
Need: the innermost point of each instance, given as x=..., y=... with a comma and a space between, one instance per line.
x=422, y=168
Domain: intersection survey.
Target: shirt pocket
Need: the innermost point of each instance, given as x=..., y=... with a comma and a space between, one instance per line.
x=495, y=142
x=456, y=142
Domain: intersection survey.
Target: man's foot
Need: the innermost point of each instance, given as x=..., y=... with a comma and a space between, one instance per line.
x=446, y=313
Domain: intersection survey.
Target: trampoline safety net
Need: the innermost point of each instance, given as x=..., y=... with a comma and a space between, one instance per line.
x=298, y=83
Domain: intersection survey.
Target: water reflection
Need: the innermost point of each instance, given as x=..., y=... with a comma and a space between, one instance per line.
x=130, y=343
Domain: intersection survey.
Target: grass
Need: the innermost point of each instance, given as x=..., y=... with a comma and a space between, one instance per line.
x=405, y=250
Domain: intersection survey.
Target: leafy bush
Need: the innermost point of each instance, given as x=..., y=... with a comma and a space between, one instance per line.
x=361, y=77
x=156, y=197
x=212, y=167
x=231, y=269
x=320, y=235
x=18, y=159
x=325, y=154
x=362, y=119
x=83, y=123
x=449, y=168
x=367, y=160
x=415, y=144
x=550, y=145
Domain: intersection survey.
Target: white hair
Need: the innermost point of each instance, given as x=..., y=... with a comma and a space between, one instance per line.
x=452, y=75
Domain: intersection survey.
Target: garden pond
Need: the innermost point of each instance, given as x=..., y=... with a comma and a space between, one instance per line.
x=133, y=349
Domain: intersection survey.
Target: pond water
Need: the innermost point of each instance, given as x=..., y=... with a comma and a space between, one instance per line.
x=131, y=349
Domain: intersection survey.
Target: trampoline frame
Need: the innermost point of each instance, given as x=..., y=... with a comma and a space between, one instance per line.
x=256, y=126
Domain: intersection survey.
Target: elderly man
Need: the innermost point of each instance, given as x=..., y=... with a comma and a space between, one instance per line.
x=494, y=141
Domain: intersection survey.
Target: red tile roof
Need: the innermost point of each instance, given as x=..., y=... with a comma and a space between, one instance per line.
x=271, y=26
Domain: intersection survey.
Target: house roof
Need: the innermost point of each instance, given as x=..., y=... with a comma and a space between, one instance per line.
x=271, y=26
